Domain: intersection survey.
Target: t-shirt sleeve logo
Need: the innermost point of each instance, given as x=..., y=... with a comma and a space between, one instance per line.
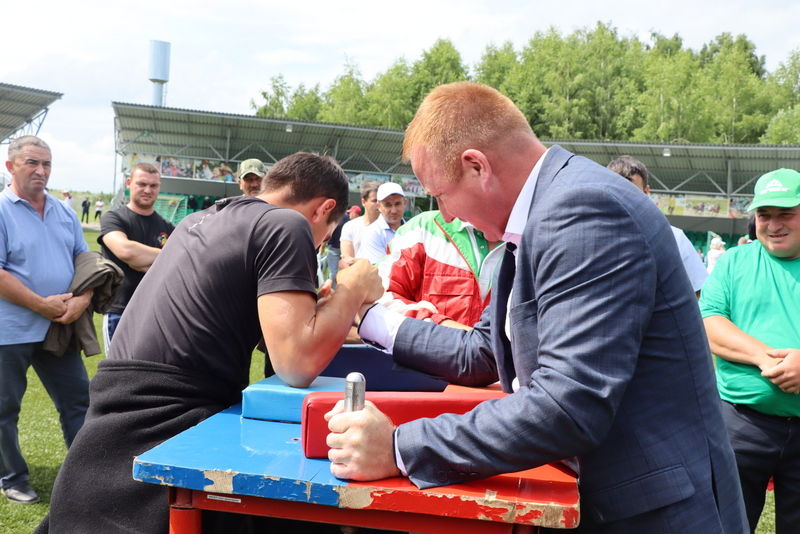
x=162, y=239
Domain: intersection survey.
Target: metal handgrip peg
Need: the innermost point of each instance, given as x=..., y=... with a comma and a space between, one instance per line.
x=354, y=392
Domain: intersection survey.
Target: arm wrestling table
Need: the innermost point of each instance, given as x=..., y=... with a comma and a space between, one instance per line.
x=232, y=464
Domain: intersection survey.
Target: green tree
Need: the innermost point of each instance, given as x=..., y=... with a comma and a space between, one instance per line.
x=671, y=107
x=611, y=81
x=736, y=98
x=276, y=99
x=784, y=128
x=390, y=98
x=438, y=65
x=496, y=65
x=344, y=102
x=666, y=46
x=305, y=104
x=546, y=84
x=786, y=79
x=724, y=42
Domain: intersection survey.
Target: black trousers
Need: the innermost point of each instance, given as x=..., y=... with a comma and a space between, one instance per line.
x=766, y=446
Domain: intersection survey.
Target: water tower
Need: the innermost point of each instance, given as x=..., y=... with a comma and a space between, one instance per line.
x=159, y=69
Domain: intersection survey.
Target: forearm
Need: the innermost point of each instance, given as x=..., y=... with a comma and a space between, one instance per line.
x=347, y=249
x=728, y=342
x=300, y=349
x=138, y=256
x=15, y=292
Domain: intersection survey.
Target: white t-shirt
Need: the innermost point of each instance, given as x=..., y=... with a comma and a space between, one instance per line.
x=691, y=259
x=352, y=231
x=712, y=256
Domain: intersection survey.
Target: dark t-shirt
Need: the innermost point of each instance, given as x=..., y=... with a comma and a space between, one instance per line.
x=151, y=230
x=196, y=308
x=336, y=236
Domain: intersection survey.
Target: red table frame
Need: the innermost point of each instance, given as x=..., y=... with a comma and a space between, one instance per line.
x=186, y=506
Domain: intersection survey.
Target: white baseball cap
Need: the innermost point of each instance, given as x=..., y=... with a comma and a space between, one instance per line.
x=388, y=189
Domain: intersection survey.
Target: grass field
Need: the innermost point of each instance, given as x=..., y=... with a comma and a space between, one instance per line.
x=43, y=445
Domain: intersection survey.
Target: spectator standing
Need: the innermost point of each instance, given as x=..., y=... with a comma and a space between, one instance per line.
x=376, y=237
x=352, y=230
x=85, y=205
x=250, y=175
x=751, y=310
x=67, y=201
x=39, y=240
x=438, y=270
x=132, y=236
x=715, y=251
x=334, y=251
x=98, y=208
x=635, y=172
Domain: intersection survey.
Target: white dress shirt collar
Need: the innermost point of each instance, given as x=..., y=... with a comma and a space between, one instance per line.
x=519, y=213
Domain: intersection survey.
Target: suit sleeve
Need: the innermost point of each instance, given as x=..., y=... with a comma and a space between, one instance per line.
x=591, y=283
x=458, y=356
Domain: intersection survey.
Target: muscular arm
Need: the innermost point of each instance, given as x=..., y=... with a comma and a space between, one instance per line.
x=138, y=256
x=302, y=335
x=14, y=291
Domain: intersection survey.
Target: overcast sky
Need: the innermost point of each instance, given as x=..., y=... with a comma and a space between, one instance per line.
x=225, y=52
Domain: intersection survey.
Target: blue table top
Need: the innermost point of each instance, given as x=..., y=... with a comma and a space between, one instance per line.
x=228, y=454
x=266, y=460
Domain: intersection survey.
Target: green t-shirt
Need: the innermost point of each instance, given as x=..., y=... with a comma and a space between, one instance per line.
x=760, y=294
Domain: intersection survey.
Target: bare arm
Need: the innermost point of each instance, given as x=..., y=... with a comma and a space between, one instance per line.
x=729, y=342
x=138, y=256
x=14, y=291
x=346, y=246
x=302, y=335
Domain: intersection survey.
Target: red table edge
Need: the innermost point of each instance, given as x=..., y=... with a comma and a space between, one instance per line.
x=186, y=515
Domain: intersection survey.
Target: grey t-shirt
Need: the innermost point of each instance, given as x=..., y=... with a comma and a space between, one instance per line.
x=196, y=308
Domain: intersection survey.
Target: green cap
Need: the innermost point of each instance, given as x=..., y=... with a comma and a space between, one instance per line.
x=253, y=165
x=779, y=188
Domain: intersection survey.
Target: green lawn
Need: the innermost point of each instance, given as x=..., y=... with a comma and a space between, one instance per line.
x=43, y=445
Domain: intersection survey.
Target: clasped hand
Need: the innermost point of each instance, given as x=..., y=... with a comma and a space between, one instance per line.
x=786, y=372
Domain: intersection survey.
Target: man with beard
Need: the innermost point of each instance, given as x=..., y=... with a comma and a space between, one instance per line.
x=132, y=237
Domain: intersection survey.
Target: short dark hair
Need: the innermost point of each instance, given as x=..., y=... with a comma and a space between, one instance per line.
x=368, y=188
x=309, y=176
x=149, y=168
x=627, y=167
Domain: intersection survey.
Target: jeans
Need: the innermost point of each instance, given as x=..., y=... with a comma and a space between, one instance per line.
x=334, y=255
x=66, y=382
x=766, y=446
x=110, y=322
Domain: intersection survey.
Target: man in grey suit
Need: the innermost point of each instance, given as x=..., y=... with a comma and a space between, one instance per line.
x=593, y=325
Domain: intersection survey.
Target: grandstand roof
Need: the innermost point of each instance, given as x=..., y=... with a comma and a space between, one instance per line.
x=206, y=135
x=705, y=169
x=23, y=108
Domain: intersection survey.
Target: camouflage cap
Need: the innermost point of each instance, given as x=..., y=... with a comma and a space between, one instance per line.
x=252, y=165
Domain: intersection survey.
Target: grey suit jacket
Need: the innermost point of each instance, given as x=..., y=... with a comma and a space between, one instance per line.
x=610, y=351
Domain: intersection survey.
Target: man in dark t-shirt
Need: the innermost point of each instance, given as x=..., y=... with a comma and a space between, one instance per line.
x=241, y=269
x=132, y=236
